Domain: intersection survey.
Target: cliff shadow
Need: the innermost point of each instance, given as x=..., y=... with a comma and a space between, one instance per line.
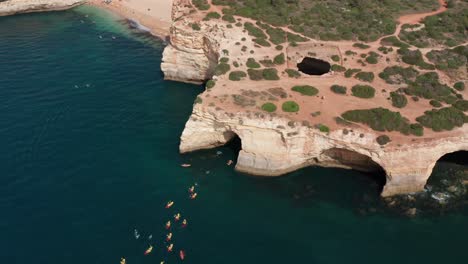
x=234, y=144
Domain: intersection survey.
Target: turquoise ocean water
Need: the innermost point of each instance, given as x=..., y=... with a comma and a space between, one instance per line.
x=89, y=135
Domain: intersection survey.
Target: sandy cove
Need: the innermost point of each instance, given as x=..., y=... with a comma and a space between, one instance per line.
x=155, y=15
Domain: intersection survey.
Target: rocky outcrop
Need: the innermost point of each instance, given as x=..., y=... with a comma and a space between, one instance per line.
x=271, y=146
x=191, y=55
x=11, y=7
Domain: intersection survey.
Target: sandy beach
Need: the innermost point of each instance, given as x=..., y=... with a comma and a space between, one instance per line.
x=153, y=14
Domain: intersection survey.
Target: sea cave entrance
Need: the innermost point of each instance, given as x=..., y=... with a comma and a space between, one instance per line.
x=450, y=174
x=234, y=144
x=312, y=66
x=358, y=162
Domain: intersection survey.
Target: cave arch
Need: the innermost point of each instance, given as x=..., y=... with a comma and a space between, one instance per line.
x=349, y=159
x=313, y=66
x=448, y=163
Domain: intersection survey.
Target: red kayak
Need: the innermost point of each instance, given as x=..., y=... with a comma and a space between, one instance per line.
x=182, y=254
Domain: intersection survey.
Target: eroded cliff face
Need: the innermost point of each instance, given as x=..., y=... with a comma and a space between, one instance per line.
x=191, y=55
x=272, y=146
x=11, y=7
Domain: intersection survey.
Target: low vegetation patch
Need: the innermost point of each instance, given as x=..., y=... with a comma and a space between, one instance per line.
x=365, y=76
x=443, y=119
x=372, y=58
x=252, y=64
x=229, y=18
x=290, y=107
x=393, y=41
x=269, y=107
x=254, y=31
x=221, y=69
x=198, y=100
x=363, y=91
x=279, y=59
x=414, y=57
x=338, y=68
x=382, y=119
x=399, y=75
x=428, y=86
x=398, y=100
x=383, y=140
x=293, y=73
x=459, y=86
x=305, y=90
x=323, y=128
x=338, y=89
x=237, y=75
x=267, y=63
x=448, y=59
x=335, y=58
x=270, y=74
x=361, y=46
x=461, y=105
x=212, y=15
x=210, y=84
x=350, y=72
x=196, y=26
x=201, y=4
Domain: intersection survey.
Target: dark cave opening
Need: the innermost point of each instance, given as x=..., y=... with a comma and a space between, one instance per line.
x=312, y=66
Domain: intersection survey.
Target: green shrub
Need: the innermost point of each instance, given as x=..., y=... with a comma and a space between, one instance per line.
x=447, y=59
x=212, y=15
x=195, y=26
x=414, y=57
x=270, y=74
x=210, y=84
x=459, y=86
x=323, y=128
x=277, y=35
x=338, y=89
x=224, y=60
x=461, y=105
x=398, y=100
x=293, y=73
x=201, y=4
x=398, y=75
x=254, y=31
x=443, y=119
x=267, y=63
x=262, y=42
x=350, y=53
x=269, y=107
x=363, y=91
x=350, y=72
x=383, y=140
x=222, y=68
x=293, y=38
x=381, y=119
x=279, y=47
x=365, y=76
x=255, y=75
x=373, y=58
x=338, y=68
x=229, y=18
x=198, y=100
x=335, y=58
x=237, y=75
x=361, y=46
x=290, y=107
x=305, y=90
x=393, y=41
x=428, y=86
x=235, y=64
x=435, y=103
x=279, y=59
x=251, y=63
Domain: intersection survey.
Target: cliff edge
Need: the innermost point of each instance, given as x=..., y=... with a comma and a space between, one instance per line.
x=11, y=7
x=295, y=101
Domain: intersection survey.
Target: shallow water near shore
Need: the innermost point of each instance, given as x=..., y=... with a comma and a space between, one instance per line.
x=89, y=148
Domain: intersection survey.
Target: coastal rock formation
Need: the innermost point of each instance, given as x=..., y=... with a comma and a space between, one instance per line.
x=190, y=55
x=272, y=146
x=11, y=7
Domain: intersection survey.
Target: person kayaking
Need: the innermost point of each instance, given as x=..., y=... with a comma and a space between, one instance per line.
x=191, y=189
x=169, y=248
x=168, y=224
x=186, y=165
x=162, y=262
x=193, y=196
x=184, y=223
x=122, y=261
x=182, y=254
x=148, y=251
x=177, y=217
x=169, y=204
x=168, y=237
x=229, y=162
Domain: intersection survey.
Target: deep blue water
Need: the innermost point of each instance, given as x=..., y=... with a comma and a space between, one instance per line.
x=89, y=135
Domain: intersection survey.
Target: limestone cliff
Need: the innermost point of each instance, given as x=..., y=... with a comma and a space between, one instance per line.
x=191, y=55
x=11, y=7
x=273, y=146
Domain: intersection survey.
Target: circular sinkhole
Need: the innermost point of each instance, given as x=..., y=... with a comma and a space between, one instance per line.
x=312, y=66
